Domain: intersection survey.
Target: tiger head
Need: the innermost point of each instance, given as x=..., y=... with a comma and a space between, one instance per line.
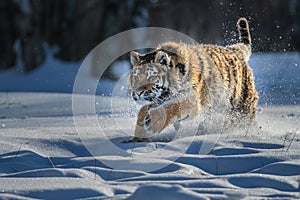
x=148, y=79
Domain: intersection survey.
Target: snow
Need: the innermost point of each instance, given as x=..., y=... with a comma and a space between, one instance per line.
x=277, y=77
x=46, y=154
x=57, y=76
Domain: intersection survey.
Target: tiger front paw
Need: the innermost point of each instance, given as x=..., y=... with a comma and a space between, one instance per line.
x=155, y=120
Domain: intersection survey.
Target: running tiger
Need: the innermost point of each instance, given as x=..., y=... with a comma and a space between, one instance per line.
x=182, y=81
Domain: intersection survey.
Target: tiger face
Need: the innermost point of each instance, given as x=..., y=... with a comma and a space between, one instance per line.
x=148, y=79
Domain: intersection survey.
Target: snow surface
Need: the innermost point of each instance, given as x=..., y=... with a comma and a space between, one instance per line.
x=43, y=156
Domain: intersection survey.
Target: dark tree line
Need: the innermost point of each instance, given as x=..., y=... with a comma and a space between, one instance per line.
x=273, y=22
x=77, y=26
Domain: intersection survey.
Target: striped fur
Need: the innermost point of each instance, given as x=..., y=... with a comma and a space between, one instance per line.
x=182, y=80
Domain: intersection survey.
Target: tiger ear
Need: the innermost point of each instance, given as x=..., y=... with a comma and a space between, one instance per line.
x=134, y=58
x=162, y=58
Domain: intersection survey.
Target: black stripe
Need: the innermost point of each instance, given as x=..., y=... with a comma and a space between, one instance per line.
x=243, y=24
x=165, y=94
x=181, y=67
x=245, y=84
x=214, y=55
x=147, y=58
x=244, y=31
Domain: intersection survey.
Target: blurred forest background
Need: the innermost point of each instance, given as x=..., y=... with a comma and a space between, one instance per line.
x=77, y=26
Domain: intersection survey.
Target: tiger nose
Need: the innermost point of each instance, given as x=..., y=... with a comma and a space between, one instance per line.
x=139, y=92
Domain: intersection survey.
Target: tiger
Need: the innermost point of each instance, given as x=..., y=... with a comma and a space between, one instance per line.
x=180, y=80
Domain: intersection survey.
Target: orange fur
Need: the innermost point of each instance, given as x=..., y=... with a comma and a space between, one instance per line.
x=192, y=78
